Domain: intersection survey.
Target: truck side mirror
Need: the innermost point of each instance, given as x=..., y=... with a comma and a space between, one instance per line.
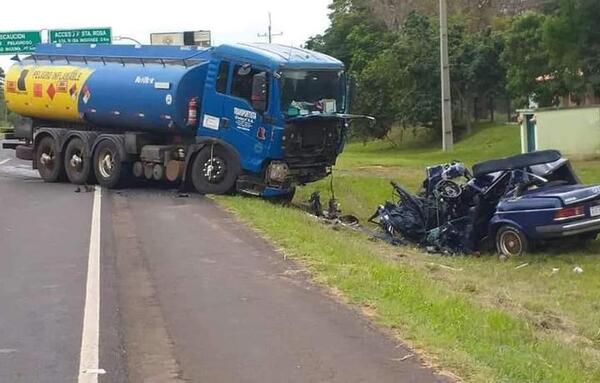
x=260, y=92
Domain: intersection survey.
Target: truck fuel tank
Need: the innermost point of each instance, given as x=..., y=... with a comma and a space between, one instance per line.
x=120, y=93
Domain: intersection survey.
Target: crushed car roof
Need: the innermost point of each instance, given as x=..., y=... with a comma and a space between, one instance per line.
x=516, y=162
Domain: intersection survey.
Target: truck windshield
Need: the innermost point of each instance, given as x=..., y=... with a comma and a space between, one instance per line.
x=305, y=92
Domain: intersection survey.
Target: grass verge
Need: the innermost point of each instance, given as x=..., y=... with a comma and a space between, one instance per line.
x=479, y=343
x=480, y=318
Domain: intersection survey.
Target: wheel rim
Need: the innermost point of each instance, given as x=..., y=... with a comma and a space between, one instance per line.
x=510, y=243
x=47, y=157
x=76, y=160
x=214, y=170
x=106, y=164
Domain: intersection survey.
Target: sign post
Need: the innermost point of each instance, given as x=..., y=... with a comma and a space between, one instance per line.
x=80, y=36
x=19, y=42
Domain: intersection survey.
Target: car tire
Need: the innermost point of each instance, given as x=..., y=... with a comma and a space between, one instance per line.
x=214, y=170
x=77, y=162
x=49, y=160
x=511, y=242
x=110, y=169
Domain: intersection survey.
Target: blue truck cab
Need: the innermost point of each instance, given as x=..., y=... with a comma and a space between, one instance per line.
x=256, y=118
x=278, y=107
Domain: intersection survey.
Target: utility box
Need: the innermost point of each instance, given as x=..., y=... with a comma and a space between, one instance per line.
x=528, y=130
x=573, y=131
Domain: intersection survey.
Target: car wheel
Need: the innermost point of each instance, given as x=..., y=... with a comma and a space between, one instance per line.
x=49, y=161
x=77, y=162
x=111, y=172
x=511, y=242
x=215, y=170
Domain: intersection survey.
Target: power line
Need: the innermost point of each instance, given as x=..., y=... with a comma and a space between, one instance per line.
x=269, y=33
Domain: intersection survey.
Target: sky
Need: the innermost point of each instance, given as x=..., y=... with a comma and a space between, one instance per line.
x=228, y=20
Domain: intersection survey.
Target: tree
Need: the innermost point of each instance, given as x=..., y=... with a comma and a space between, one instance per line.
x=402, y=84
x=476, y=70
x=355, y=36
x=529, y=73
x=571, y=37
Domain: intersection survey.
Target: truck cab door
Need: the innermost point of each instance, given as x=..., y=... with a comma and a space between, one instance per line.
x=245, y=108
x=212, y=123
x=235, y=101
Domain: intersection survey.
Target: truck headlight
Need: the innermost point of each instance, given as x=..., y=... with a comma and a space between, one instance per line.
x=277, y=172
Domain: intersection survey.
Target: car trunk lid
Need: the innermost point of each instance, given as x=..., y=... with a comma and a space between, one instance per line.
x=568, y=194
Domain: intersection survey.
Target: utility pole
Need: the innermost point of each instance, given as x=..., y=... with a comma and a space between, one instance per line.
x=269, y=33
x=447, y=131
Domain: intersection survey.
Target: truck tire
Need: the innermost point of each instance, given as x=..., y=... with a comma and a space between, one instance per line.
x=214, y=170
x=511, y=242
x=24, y=152
x=77, y=163
x=110, y=170
x=49, y=161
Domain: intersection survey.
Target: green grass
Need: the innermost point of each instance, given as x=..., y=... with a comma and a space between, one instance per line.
x=481, y=319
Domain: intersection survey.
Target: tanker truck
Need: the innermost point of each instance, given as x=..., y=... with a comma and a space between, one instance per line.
x=255, y=118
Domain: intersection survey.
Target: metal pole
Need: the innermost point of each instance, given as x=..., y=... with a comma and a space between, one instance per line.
x=270, y=33
x=447, y=131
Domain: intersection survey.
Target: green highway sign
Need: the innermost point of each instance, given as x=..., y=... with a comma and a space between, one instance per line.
x=80, y=36
x=19, y=42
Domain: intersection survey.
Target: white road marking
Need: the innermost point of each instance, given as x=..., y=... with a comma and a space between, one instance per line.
x=90, y=338
x=4, y=161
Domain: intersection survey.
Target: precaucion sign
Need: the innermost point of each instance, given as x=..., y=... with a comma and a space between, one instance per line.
x=19, y=42
x=80, y=36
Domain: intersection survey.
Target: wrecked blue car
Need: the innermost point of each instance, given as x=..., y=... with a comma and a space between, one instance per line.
x=541, y=198
x=509, y=203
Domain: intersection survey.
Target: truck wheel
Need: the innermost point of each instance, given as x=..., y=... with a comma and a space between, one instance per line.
x=511, y=242
x=214, y=170
x=110, y=171
x=77, y=164
x=49, y=161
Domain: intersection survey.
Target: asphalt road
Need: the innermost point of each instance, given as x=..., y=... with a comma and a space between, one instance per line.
x=143, y=285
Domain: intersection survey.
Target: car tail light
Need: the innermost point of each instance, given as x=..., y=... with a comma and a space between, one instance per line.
x=569, y=212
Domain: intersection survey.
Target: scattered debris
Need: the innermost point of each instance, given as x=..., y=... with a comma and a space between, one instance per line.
x=333, y=214
x=444, y=266
x=405, y=357
x=86, y=188
x=315, y=204
x=555, y=270
x=521, y=266
x=577, y=270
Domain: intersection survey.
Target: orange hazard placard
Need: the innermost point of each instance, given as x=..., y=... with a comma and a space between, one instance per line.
x=37, y=90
